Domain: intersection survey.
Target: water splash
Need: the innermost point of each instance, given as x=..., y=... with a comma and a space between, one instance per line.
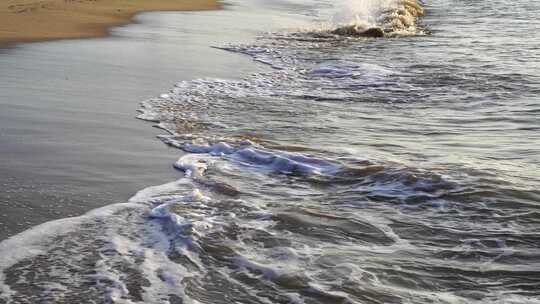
x=364, y=12
x=378, y=18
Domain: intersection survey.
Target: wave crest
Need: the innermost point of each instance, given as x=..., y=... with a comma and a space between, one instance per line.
x=381, y=19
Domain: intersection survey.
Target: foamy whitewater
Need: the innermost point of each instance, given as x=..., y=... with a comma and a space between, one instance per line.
x=350, y=169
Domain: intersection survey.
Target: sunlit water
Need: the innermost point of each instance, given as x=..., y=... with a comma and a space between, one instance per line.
x=392, y=170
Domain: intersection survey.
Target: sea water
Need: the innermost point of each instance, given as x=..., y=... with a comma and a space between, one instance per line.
x=402, y=169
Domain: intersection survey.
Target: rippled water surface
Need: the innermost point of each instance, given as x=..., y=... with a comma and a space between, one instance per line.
x=349, y=170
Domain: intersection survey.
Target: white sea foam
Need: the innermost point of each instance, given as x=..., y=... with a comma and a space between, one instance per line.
x=362, y=12
x=250, y=155
x=129, y=233
x=36, y=241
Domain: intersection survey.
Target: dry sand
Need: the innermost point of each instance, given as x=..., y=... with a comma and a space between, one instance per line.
x=34, y=20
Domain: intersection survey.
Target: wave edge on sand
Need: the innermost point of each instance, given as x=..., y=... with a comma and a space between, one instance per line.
x=33, y=20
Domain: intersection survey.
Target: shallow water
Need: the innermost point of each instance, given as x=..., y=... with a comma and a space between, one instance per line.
x=348, y=170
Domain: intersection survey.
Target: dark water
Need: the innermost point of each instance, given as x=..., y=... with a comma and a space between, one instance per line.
x=348, y=170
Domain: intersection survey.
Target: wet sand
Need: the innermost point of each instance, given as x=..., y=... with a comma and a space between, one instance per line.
x=38, y=20
x=69, y=140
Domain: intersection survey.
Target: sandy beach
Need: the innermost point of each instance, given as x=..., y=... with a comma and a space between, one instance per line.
x=33, y=20
x=69, y=140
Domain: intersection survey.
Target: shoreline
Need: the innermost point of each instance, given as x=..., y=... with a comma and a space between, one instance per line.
x=24, y=21
x=69, y=140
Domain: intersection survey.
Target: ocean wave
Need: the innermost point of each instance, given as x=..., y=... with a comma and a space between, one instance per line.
x=279, y=202
x=382, y=19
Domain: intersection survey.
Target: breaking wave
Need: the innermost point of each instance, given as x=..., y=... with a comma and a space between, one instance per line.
x=369, y=18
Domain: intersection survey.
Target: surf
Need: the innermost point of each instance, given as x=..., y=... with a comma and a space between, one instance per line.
x=369, y=18
x=309, y=181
